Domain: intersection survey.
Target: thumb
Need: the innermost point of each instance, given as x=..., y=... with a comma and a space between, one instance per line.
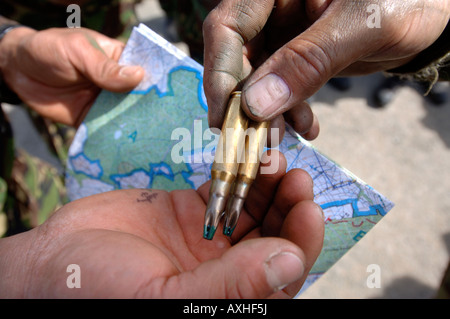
x=114, y=77
x=254, y=268
x=303, y=65
x=101, y=66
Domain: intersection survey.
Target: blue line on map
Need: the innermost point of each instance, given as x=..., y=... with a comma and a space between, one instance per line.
x=296, y=157
x=198, y=74
x=116, y=177
x=158, y=169
x=188, y=174
x=91, y=162
x=373, y=209
x=322, y=170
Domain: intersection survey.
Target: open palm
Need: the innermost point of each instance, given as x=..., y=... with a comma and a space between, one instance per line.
x=148, y=243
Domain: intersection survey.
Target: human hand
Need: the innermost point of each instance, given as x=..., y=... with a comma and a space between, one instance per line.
x=282, y=55
x=59, y=72
x=149, y=244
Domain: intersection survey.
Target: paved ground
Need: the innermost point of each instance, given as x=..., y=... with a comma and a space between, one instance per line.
x=403, y=151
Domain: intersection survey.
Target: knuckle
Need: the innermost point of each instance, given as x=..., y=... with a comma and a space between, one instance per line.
x=210, y=22
x=311, y=60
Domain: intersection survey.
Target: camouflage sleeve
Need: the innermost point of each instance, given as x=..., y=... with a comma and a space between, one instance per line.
x=30, y=188
x=6, y=163
x=3, y=217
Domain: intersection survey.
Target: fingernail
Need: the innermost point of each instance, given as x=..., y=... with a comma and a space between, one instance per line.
x=283, y=269
x=129, y=71
x=267, y=95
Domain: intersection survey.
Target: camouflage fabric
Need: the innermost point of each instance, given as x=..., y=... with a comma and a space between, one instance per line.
x=6, y=163
x=30, y=189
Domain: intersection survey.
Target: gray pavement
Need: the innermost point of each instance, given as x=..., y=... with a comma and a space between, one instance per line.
x=401, y=150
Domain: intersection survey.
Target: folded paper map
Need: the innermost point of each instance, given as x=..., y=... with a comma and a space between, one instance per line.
x=157, y=136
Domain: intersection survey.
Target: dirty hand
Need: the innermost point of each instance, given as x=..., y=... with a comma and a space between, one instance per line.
x=282, y=52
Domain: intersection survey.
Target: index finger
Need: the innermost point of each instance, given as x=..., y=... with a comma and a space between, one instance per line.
x=226, y=30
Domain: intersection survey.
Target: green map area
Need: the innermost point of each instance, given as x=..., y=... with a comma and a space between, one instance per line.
x=140, y=125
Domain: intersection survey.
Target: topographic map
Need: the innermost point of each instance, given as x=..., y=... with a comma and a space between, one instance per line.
x=157, y=136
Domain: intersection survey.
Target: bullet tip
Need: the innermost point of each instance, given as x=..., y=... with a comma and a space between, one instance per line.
x=208, y=232
x=227, y=230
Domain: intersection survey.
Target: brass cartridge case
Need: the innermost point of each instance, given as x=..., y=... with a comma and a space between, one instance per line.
x=231, y=141
x=255, y=141
x=229, y=151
